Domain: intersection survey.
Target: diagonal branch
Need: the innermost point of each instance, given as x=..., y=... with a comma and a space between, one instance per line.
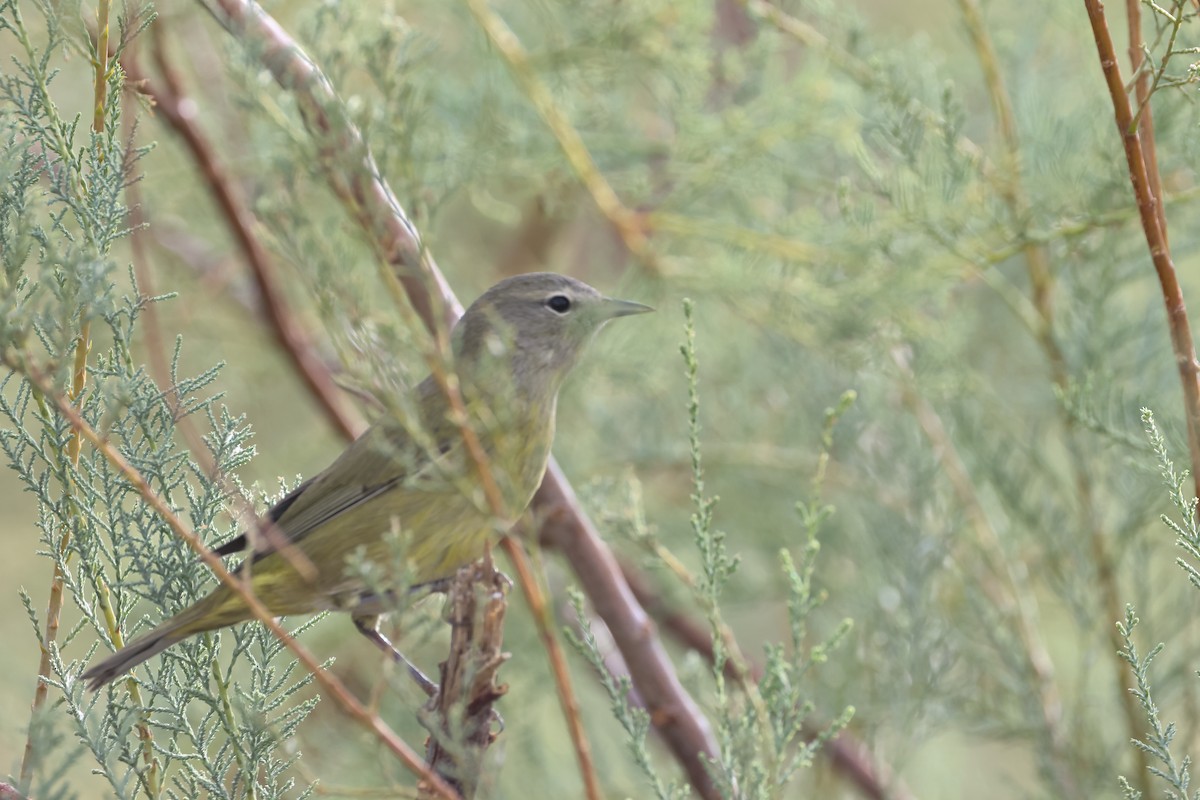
x=354, y=176
x=168, y=99
x=330, y=683
x=626, y=222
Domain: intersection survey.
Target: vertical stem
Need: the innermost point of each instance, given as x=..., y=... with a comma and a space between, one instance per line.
x=459, y=715
x=101, y=85
x=74, y=443
x=1133, y=15
x=540, y=610
x=1182, y=342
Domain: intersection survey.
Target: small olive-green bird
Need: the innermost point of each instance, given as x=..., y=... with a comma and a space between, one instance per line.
x=512, y=349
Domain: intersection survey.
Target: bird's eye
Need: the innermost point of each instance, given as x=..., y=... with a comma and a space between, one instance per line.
x=559, y=303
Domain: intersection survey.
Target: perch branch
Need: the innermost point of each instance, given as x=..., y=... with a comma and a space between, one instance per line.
x=360, y=184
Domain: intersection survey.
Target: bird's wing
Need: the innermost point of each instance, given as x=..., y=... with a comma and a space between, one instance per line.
x=239, y=543
x=376, y=462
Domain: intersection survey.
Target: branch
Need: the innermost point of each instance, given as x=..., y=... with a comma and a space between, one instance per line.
x=459, y=717
x=354, y=176
x=175, y=107
x=330, y=684
x=1155, y=230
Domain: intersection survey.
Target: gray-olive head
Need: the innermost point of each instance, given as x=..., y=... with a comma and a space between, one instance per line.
x=537, y=326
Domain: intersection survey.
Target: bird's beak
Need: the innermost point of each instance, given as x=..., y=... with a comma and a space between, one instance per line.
x=623, y=308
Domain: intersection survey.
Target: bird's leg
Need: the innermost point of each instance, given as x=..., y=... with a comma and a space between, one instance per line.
x=368, y=627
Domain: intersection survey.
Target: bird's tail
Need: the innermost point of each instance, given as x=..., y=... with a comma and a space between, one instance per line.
x=217, y=610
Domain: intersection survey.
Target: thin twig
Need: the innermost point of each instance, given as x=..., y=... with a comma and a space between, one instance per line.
x=172, y=104
x=1135, y=159
x=83, y=346
x=543, y=620
x=1145, y=115
x=330, y=684
x=628, y=223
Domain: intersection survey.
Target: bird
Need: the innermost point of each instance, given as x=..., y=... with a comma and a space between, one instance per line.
x=411, y=472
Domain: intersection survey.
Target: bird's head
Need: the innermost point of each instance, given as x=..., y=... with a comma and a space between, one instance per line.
x=534, y=327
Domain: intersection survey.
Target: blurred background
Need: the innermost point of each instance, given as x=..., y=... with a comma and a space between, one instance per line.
x=925, y=203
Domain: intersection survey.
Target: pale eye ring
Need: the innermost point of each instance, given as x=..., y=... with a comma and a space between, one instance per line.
x=558, y=303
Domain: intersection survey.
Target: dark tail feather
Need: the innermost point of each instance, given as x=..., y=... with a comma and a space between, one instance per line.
x=130, y=656
x=212, y=612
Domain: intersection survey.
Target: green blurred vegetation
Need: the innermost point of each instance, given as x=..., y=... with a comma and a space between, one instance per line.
x=838, y=228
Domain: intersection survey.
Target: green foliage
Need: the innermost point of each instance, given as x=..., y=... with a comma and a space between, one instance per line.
x=1158, y=739
x=62, y=212
x=842, y=204
x=766, y=731
x=1157, y=743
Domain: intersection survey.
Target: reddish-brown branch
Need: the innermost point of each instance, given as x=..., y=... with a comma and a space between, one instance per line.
x=1154, y=229
x=172, y=105
x=354, y=176
x=672, y=711
x=1133, y=15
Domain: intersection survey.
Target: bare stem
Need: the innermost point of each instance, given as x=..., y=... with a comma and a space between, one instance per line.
x=543, y=619
x=1145, y=114
x=173, y=105
x=1152, y=226
x=78, y=382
